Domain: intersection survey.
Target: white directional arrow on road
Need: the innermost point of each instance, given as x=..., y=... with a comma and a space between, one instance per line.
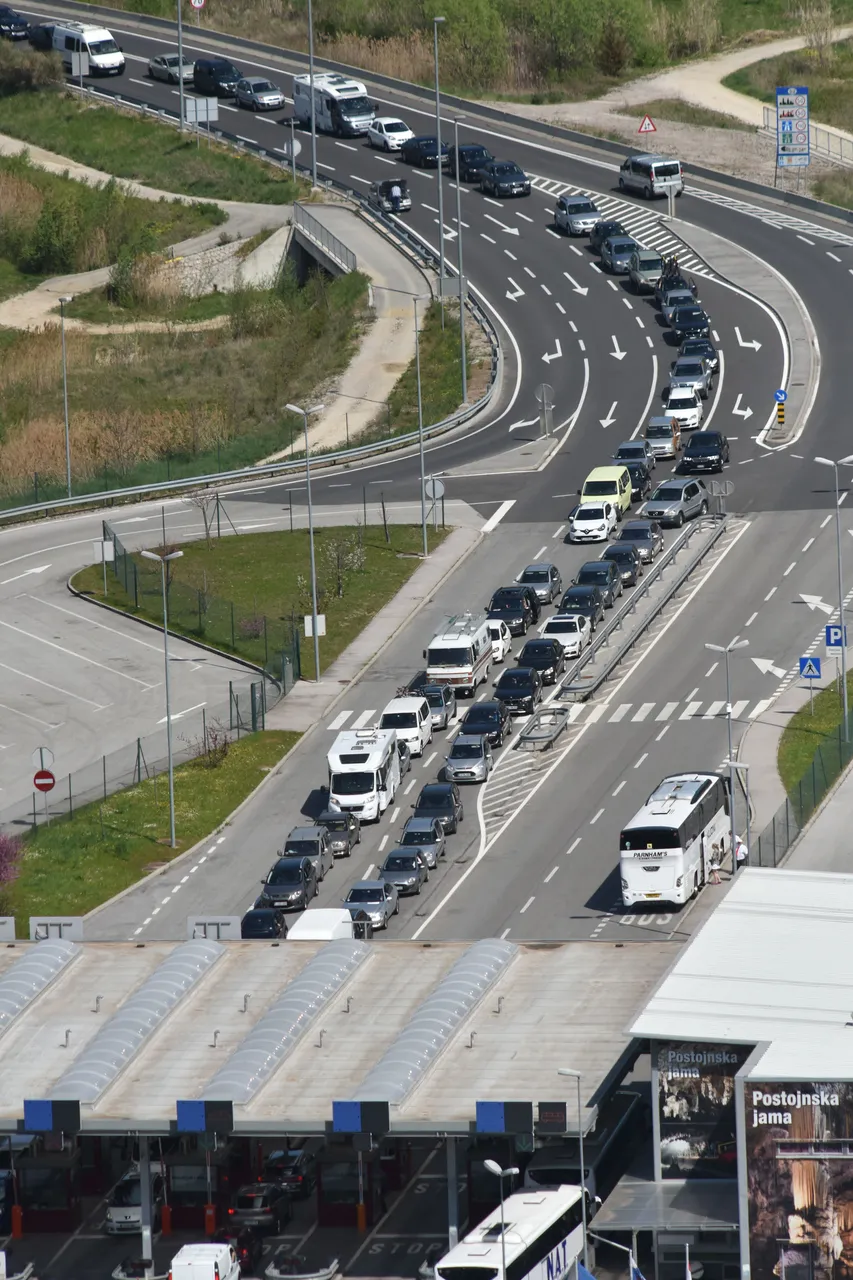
x=617, y=353
x=525, y=422
x=609, y=420
x=449, y=233
x=815, y=602
x=767, y=667
x=756, y=346
x=553, y=355
x=513, y=231
x=519, y=293
x=28, y=573
x=575, y=286
x=741, y=413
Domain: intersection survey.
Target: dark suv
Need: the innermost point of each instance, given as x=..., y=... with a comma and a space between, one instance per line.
x=440, y=800
x=423, y=152
x=518, y=607
x=490, y=719
x=217, y=77
x=468, y=162
x=295, y=1169
x=604, y=575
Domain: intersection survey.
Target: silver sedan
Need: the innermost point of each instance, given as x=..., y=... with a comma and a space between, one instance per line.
x=167, y=66
x=406, y=870
x=470, y=759
x=259, y=95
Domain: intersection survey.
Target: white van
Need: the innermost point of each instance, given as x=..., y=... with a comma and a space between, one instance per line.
x=205, y=1262
x=651, y=176
x=364, y=772
x=411, y=718
x=105, y=56
x=324, y=924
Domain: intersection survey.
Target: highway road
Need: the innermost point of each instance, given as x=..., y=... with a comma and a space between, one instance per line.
x=558, y=830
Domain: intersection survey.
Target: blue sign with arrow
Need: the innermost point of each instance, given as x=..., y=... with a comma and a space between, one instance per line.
x=780, y=396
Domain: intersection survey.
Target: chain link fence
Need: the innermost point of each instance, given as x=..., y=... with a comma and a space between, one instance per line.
x=193, y=733
x=270, y=644
x=828, y=763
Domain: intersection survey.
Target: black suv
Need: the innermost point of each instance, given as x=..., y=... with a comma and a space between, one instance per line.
x=467, y=163
x=519, y=689
x=518, y=607
x=441, y=800
x=705, y=451
x=12, y=25
x=504, y=178
x=690, y=322
x=263, y=922
x=423, y=152
x=490, y=719
x=217, y=77
x=295, y=1168
x=586, y=600
x=545, y=655
x=291, y=883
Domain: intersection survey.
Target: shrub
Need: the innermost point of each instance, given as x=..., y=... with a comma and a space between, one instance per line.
x=24, y=70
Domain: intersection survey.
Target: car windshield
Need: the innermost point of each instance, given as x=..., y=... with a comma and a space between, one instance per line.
x=563, y=626
x=129, y=1191
x=636, y=534
x=480, y=715
x=285, y=875
x=619, y=553
x=400, y=720
x=411, y=839
x=435, y=698
x=400, y=864
x=352, y=784
x=100, y=47
x=594, y=575
x=589, y=513
x=364, y=895
x=448, y=657
x=682, y=395
x=536, y=574
x=466, y=751
x=621, y=246
x=538, y=649
x=301, y=848
x=225, y=69
x=688, y=369
x=649, y=838
x=649, y=261
x=705, y=439
x=677, y=297
x=432, y=796
x=697, y=347
x=262, y=86
x=474, y=154
x=514, y=680
x=581, y=206
x=335, y=824
x=507, y=170
x=172, y=60
x=667, y=170
x=257, y=926
x=395, y=126
x=358, y=106
x=658, y=431
x=667, y=493
x=684, y=315
x=630, y=451
x=602, y=488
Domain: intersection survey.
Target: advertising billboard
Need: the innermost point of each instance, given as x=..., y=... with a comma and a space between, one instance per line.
x=696, y=1104
x=800, y=1180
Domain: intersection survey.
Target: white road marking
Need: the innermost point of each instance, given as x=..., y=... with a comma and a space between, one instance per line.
x=409, y=787
x=361, y=721
x=667, y=711
x=528, y=903
x=770, y=593
x=593, y=821
x=643, y=757
x=558, y=532
x=760, y=708
x=640, y=715
x=495, y=519
x=751, y=619
x=711, y=669
x=395, y=815
x=541, y=551
x=791, y=566
x=573, y=845
x=808, y=544
x=383, y=842
x=548, y=878
x=664, y=730
x=615, y=793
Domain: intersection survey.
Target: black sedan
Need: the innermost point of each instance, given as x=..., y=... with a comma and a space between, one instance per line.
x=467, y=164
x=12, y=25
x=705, y=451
x=490, y=719
x=690, y=322
x=263, y=922
x=441, y=800
x=423, y=152
x=548, y=657
x=518, y=607
x=701, y=349
x=641, y=481
x=504, y=178
x=626, y=557
x=586, y=600
x=291, y=883
x=603, y=231
x=519, y=689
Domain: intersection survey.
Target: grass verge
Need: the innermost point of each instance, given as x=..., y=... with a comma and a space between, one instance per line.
x=267, y=576
x=96, y=308
x=835, y=188
x=131, y=146
x=74, y=866
x=805, y=732
x=685, y=113
x=828, y=78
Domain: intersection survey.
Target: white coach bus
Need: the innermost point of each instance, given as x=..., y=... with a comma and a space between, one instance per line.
x=665, y=851
x=542, y=1240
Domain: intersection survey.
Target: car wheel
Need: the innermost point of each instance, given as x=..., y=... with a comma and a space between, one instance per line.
x=704, y=508
x=397, y=907
x=461, y=817
x=680, y=520
x=621, y=184
x=418, y=891
x=387, y=145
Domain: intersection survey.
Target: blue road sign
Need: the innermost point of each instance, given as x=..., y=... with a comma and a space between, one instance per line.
x=833, y=637
x=780, y=396
x=792, y=126
x=810, y=668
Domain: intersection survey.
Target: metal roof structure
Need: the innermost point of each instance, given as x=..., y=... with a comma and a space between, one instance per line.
x=678, y=1205
x=284, y=1030
x=771, y=966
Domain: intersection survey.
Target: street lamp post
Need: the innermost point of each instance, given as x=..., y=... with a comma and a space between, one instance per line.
x=500, y=1174
x=743, y=768
x=725, y=650
x=63, y=303
x=459, y=264
x=576, y=1076
x=416, y=300
x=303, y=413
x=181, y=62
x=827, y=462
x=162, y=561
x=313, y=106
x=436, y=22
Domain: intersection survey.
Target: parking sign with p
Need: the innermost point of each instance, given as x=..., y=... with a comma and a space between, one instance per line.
x=833, y=637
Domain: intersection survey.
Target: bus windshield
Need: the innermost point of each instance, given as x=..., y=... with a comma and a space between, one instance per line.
x=449, y=658
x=638, y=838
x=359, y=106
x=352, y=784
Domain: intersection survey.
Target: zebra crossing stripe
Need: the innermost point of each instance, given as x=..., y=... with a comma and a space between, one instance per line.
x=738, y=708
x=690, y=710
x=643, y=712
x=667, y=711
x=714, y=710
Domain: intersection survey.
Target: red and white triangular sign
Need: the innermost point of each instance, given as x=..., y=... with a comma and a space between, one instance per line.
x=648, y=125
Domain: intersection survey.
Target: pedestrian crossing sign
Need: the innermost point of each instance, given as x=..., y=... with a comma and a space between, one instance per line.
x=647, y=126
x=810, y=668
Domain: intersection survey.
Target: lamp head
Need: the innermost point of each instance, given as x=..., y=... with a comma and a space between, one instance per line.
x=570, y=1071
x=493, y=1167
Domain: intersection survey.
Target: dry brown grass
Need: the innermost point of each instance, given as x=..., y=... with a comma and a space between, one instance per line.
x=20, y=200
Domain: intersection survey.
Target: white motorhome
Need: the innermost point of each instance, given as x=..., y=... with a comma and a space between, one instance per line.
x=96, y=43
x=341, y=105
x=461, y=653
x=364, y=772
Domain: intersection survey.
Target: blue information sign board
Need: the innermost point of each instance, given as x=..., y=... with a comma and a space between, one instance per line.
x=792, y=126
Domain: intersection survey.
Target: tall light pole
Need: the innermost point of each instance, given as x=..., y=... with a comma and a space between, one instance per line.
x=743, y=768
x=63, y=303
x=313, y=114
x=163, y=560
x=827, y=462
x=459, y=264
x=500, y=1174
x=416, y=299
x=725, y=650
x=436, y=22
x=576, y=1076
x=303, y=413
x=181, y=62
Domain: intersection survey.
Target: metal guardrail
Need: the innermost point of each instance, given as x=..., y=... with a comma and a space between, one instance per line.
x=570, y=690
x=386, y=227
x=824, y=141
x=330, y=244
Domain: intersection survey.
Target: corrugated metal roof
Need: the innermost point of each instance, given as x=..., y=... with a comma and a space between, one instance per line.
x=774, y=963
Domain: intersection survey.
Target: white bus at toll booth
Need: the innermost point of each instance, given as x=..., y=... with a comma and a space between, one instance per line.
x=542, y=1240
x=665, y=851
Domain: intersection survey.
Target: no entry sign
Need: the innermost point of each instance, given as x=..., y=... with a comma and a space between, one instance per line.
x=44, y=780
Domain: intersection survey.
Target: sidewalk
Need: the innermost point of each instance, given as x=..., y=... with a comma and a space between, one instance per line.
x=308, y=702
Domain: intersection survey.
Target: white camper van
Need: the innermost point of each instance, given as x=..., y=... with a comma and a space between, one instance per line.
x=96, y=43
x=364, y=772
x=461, y=653
x=341, y=105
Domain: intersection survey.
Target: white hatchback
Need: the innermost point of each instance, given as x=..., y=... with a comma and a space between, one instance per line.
x=501, y=638
x=592, y=522
x=572, y=630
x=685, y=405
x=388, y=133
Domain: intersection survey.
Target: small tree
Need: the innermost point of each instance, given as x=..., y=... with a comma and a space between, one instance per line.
x=342, y=557
x=206, y=503
x=817, y=24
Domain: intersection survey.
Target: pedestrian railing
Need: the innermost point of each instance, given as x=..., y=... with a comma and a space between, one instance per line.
x=321, y=236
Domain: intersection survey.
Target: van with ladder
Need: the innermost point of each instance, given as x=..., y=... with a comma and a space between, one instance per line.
x=461, y=653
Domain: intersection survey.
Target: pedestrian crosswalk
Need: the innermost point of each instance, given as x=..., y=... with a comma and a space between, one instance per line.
x=776, y=218
x=647, y=226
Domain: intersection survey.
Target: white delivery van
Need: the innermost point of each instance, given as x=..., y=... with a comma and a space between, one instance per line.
x=205, y=1262
x=461, y=653
x=97, y=43
x=411, y=719
x=364, y=772
x=324, y=924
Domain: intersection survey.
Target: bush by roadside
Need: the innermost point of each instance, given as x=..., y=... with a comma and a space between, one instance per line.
x=23, y=69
